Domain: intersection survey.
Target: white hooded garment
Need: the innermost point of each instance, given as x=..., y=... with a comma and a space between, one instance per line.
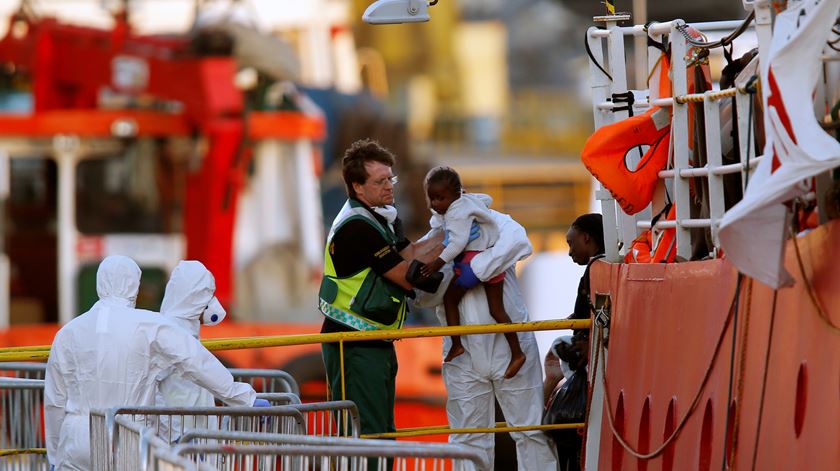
x=476, y=376
x=111, y=356
x=189, y=293
x=458, y=219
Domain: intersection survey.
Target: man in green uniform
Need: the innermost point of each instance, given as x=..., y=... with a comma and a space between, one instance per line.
x=365, y=286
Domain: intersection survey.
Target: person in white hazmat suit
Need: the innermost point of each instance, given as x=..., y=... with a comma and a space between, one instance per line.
x=473, y=378
x=112, y=355
x=188, y=302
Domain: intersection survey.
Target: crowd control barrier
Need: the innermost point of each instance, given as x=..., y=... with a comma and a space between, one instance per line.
x=396, y=455
x=104, y=430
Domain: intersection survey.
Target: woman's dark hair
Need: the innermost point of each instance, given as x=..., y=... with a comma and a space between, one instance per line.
x=446, y=176
x=593, y=225
x=353, y=163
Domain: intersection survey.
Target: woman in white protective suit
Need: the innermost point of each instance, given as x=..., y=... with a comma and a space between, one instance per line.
x=475, y=377
x=112, y=356
x=189, y=301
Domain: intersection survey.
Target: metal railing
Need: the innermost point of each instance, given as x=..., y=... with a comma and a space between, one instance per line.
x=280, y=399
x=206, y=437
x=104, y=430
x=125, y=453
x=157, y=455
x=32, y=459
x=21, y=414
x=263, y=380
x=621, y=229
x=268, y=381
x=398, y=455
x=330, y=419
x=22, y=369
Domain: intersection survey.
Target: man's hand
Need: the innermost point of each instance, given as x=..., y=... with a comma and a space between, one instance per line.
x=261, y=403
x=431, y=267
x=467, y=278
x=425, y=250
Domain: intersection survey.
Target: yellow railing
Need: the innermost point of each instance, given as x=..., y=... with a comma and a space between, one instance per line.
x=42, y=352
x=501, y=427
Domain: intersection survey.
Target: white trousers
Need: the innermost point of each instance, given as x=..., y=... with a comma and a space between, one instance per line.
x=472, y=381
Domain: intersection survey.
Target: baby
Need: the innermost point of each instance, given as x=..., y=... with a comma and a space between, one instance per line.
x=457, y=212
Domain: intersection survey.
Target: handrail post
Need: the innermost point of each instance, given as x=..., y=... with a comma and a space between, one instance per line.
x=596, y=407
x=711, y=111
x=679, y=139
x=600, y=93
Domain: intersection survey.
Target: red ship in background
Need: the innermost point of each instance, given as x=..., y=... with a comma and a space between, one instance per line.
x=173, y=101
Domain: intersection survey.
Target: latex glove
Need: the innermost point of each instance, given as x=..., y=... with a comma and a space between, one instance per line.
x=261, y=403
x=475, y=233
x=467, y=279
x=52, y=467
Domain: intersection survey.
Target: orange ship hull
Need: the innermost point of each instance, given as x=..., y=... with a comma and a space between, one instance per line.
x=666, y=323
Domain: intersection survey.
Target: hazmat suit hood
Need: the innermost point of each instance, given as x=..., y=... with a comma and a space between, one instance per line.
x=189, y=299
x=118, y=280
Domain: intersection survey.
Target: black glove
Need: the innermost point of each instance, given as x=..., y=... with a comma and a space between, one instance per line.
x=429, y=284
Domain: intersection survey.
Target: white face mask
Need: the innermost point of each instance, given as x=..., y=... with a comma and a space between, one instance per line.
x=214, y=313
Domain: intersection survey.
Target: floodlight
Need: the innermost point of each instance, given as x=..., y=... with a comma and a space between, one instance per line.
x=383, y=12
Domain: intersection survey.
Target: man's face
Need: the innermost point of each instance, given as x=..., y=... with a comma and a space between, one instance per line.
x=378, y=190
x=579, y=246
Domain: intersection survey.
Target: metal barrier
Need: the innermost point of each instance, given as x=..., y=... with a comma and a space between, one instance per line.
x=396, y=455
x=126, y=451
x=331, y=419
x=264, y=380
x=280, y=399
x=104, y=430
x=24, y=460
x=267, y=381
x=22, y=369
x=207, y=437
x=21, y=423
x=157, y=455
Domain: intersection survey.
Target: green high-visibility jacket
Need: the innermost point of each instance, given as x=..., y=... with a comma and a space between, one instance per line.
x=364, y=300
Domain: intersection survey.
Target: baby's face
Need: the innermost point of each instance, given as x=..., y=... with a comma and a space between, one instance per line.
x=440, y=197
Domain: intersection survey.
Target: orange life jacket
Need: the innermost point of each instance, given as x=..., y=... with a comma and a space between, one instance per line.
x=605, y=151
x=663, y=250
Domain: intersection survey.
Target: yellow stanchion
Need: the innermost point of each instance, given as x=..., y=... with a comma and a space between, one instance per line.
x=341, y=360
x=501, y=427
x=41, y=353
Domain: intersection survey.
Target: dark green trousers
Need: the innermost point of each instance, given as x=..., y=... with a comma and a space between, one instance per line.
x=369, y=380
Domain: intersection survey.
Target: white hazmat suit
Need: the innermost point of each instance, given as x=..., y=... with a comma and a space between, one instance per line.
x=473, y=378
x=111, y=356
x=188, y=302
